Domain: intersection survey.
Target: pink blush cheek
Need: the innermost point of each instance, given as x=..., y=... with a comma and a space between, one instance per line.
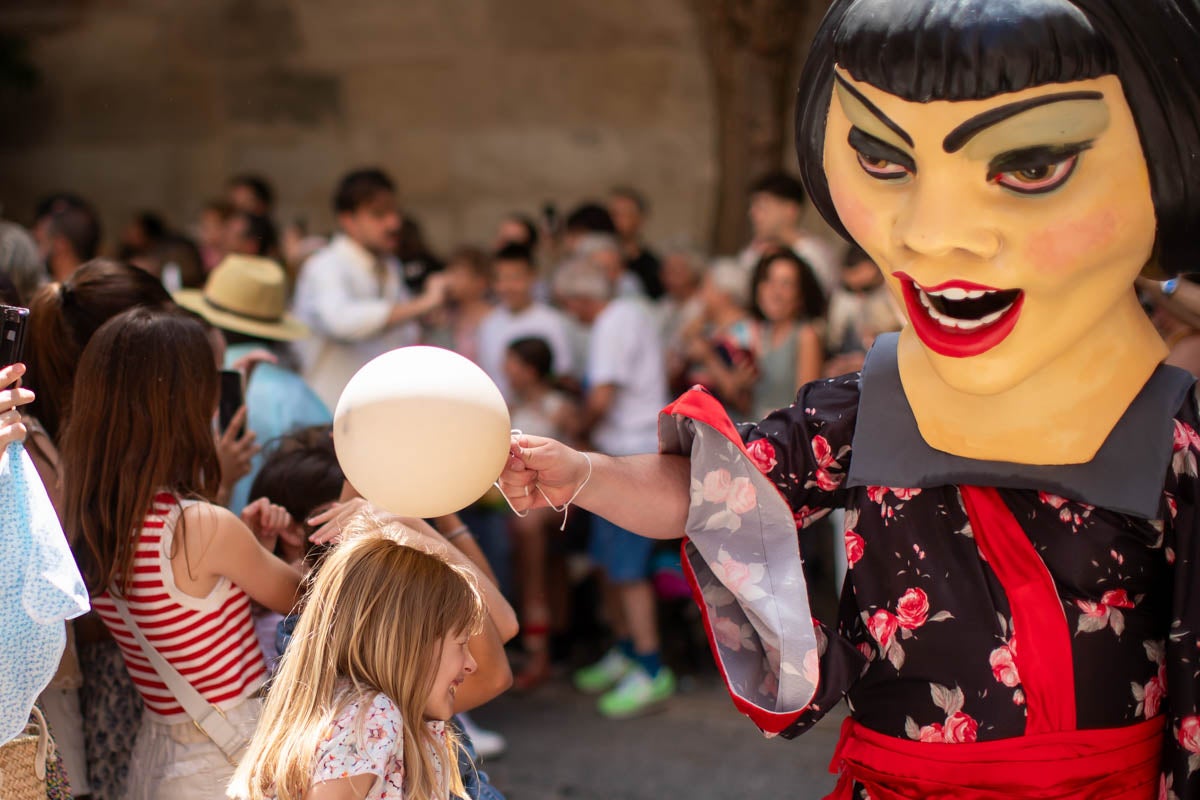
x=1063, y=249
x=860, y=221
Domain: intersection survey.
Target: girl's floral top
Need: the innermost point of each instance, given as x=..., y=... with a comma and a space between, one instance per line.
x=370, y=741
x=923, y=646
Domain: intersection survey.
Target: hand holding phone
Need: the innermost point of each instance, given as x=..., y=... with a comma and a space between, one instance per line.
x=232, y=398
x=13, y=326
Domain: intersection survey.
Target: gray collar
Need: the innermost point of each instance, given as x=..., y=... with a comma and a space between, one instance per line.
x=1125, y=476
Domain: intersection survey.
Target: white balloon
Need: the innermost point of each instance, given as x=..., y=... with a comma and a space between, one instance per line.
x=421, y=431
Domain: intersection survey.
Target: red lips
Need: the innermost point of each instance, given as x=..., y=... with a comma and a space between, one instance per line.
x=953, y=342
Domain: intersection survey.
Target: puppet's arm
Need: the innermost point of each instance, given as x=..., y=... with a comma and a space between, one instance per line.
x=783, y=668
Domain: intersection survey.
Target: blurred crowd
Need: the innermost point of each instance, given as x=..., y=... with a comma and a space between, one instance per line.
x=587, y=328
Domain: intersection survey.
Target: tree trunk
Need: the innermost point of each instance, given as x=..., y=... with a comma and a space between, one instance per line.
x=753, y=47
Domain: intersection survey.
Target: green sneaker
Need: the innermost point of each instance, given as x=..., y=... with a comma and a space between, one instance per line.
x=637, y=693
x=604, y=674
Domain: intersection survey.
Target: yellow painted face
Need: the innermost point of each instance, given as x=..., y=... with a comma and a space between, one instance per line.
x=1008, y=228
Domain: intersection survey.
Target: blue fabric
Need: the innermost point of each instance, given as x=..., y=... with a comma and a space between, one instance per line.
x=650, y=662
x=40, y=588
x=490, y=529
x=284, y=631
x=475, y=781
x=626, y=648
x=278, y=401
x=624, y=556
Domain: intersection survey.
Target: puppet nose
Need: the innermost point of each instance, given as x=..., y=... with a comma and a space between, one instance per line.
x=938, y=222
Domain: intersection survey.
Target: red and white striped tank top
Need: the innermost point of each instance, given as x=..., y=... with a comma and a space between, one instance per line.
x=209, y=640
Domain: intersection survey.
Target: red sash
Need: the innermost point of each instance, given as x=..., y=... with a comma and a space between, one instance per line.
x=1053, y=760
x=1108, y=764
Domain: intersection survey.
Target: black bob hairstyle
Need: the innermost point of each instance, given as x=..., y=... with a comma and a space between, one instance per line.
x=924, y=50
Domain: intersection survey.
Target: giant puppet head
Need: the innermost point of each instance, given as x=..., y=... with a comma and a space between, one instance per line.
x=1011, y=165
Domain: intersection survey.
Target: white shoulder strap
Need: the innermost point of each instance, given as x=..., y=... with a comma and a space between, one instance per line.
x=207, y=717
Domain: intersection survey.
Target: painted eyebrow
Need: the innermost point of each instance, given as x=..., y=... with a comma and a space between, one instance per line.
x=874, y=109
x=957, y=139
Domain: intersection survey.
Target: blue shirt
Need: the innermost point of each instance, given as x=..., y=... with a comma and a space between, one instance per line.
x=278, y=401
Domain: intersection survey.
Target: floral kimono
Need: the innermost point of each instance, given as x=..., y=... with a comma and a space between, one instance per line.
x=1004, y=629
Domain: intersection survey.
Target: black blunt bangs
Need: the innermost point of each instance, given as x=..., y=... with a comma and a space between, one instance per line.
x=926, y=50
x=923, y=50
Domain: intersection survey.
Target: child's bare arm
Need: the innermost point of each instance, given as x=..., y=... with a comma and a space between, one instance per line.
x=465, y=551
x=450, y=527
x=493, y=674
x=220, y=544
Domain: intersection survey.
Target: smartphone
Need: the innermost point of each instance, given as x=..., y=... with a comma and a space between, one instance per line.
x=13, y=326
x=232, y=398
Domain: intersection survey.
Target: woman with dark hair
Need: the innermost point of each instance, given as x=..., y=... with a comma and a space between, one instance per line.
x=788, y=304
x=158, y=556
x=97, y=715
x=63, y=317
x=1017, y=467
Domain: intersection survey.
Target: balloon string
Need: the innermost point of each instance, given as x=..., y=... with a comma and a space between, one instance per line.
x=560, y=510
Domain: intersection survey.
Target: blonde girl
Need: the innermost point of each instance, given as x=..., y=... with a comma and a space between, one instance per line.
x=358, y=707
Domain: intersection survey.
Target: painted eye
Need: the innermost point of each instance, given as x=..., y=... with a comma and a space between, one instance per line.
x=882, y=169
x=1038, y=179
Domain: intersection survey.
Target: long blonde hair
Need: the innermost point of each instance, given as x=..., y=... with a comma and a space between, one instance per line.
x=371, y=624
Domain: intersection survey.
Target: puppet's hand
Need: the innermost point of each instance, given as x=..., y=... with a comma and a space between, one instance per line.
x=541, y=472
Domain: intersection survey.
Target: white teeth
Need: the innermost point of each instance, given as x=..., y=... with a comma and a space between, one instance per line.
x=957, y=293
x=968, y=324
x=949, y=322
x=953, y=322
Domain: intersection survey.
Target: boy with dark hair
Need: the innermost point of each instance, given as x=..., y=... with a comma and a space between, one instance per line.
x=519, y=315
x=351, y=293
x=590, y=218
x=583, y=220
x=776, y=208
x=301, y=473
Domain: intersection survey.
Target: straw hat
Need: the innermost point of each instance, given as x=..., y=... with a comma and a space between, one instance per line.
x=247, y=295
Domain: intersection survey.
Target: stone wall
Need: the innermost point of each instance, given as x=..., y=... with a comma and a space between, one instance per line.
x=477, y=107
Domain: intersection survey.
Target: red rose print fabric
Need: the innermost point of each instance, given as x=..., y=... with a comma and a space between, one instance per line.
x=922, y=607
